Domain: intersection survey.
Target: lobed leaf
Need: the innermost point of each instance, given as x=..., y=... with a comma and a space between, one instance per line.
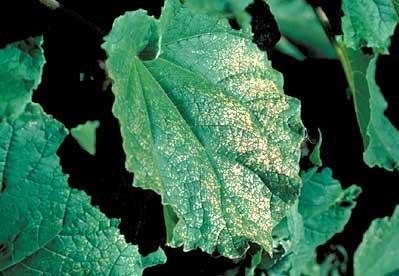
x=205, y=124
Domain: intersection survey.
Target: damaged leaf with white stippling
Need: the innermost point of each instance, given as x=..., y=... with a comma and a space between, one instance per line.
x=205, y=123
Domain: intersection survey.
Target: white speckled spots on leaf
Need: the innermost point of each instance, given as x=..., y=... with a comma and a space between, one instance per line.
x=210, y=118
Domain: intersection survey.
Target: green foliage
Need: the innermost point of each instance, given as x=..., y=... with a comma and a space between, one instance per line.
x=378, y=253
x=286, y=47
x=47, y=227
x=323, y=210
x=171, y=220
x=205, y=123
x=334, y=264
x=298, y=23
x=21, y=66
x=380, y=137
x=369, y=23
x=217, y=139
x=85, y=135
x=256, y=259
x=315, y=156
x=324, y=205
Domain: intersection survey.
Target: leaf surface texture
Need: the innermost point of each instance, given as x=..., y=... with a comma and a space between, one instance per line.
x=380, y=137
x=298, y=22
x=378, y=252
x=21, y=66
x=206, y=124
x=369, y=23
x=323, y=210
x=48, y=228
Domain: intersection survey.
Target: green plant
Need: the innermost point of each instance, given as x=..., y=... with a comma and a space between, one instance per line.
x=205, y=124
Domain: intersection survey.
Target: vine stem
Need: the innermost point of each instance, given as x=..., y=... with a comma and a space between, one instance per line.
x=55, y=5
x=339, y=48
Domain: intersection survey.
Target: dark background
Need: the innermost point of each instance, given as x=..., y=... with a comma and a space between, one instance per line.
x=72, y=47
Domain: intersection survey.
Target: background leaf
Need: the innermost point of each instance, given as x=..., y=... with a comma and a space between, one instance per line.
x=21, y=66
x=314, y=156
x=47, y=227
x=368, y=23
x=286, y=47
x=380, y=137
x=298, y=23
x=323, y=210
x=379, y=250
x=85, y=135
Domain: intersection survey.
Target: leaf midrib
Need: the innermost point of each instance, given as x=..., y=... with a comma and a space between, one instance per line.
x=212, y=163
x=255, y=120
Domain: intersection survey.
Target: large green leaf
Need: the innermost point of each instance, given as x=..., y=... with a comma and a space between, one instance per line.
x=206, y=124
x=21, y=67
x=380, y=137
x=369, y=23
x=378, y=253
x=298, y=22
x=324, y=209
x=47, y=227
